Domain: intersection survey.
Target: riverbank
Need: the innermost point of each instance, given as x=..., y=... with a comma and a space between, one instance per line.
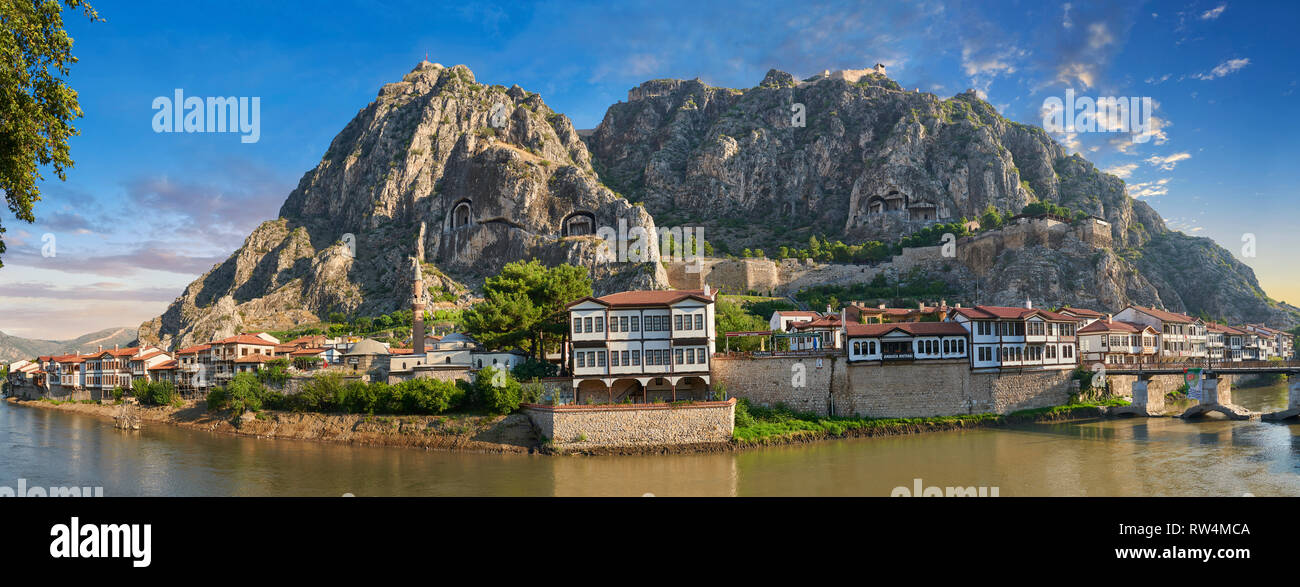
x=455, y=432
x=515, y=434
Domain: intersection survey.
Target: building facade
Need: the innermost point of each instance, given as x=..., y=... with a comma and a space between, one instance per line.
x=642, y=346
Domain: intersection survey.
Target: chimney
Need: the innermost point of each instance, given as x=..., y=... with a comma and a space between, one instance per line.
x=943, y=303
x=101, y=348
x=1110, y=318
x=958, y=305
x=920, y=305
x=881, y=306
x=706, y=290
x=829, y=310
x=1028, y=304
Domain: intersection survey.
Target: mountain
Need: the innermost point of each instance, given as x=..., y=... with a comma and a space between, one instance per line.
x=462, y=176
x=872, y=161
x=14, y=348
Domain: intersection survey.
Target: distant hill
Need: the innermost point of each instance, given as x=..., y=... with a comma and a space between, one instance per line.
x=13, y=348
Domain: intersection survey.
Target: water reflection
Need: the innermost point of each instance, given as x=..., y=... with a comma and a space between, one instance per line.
x=1139, y=456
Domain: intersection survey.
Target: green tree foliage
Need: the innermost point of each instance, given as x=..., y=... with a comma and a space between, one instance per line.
x=933, y=234
x=1037, y=208
x=496, y=391
x=731, y=317
x=991, y=218
x=522, y=305
x=157, y=393
x=36, y=106
x=534, y=369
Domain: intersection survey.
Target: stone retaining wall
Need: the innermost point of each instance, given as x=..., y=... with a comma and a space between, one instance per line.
x=829, y=385
x=612, y=425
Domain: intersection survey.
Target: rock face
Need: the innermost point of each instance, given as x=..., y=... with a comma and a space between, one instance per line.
x=870, y=161
x=874, y=162
x=462, y=176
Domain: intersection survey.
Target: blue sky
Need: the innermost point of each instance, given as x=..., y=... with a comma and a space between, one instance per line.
x=143, y=213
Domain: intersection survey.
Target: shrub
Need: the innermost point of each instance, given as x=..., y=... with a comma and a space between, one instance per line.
x=158, y=393
x=743, y=417
x=497, y=392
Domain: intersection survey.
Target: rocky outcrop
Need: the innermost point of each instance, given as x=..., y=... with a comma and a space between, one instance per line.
x=872, y=161
x=487, y=174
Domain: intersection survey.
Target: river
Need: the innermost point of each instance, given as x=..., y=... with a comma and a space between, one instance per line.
x=1123, y=457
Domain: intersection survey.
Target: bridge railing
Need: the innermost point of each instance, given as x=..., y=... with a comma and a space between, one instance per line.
x=1204, y=364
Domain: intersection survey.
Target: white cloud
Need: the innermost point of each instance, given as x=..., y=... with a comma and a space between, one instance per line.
x=1169, y=162
x=1149, y=189
x=1065, y=19
x=1159, y=80
x=1121, y=171
x=1213, y=13
x=1223, y=69
x=1099, y=36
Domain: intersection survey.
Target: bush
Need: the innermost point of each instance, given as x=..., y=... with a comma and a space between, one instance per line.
x=496, y=391
x=743, y=417
x=158, y=393
x=534, y=369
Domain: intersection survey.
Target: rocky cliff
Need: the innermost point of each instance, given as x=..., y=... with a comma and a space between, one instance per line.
x=460, y=175
x=856, y=157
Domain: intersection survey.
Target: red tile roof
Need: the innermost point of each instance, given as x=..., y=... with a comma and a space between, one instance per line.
x=164, y=366
x=1086, y=313
x=649, y=297
x=194, y=349
x=831, y=321
x=149, y=355
x=1225, y=329
x=1165, y=316
x=1009, y=313
x=396, y=351
x=307, y=352
x=913, y=328
x=244, y=339
x=254, y=359
x=1113, y=326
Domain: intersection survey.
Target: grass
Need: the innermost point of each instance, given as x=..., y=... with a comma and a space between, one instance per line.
x=758, y=424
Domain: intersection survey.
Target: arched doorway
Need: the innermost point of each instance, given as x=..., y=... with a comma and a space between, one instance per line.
x=592, y=391
x=578, y=224
x=628, y=391
x=462, y=214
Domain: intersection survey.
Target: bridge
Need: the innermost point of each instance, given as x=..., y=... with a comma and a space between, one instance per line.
x=1214, y=398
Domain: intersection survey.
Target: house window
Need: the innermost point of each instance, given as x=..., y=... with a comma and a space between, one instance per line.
x=586, y=324
x=677, y=356
x=623, y=323
x=677, y=322
x=636, y=356
x=625, y=359
x=699, y=356
x=600, y=324
x=699, y=321
x=636, y=324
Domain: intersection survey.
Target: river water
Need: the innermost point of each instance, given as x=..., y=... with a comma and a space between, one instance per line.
x=1129, y=457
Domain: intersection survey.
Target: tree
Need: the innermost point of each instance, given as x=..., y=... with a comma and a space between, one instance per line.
x=991, y=218
x=36, y=106
x=523, y=304
x=730, y=317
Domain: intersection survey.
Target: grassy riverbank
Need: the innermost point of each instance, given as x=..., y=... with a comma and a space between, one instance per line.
x=757, y=425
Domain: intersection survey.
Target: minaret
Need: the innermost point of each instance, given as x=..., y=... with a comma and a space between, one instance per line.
x=417, y=311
